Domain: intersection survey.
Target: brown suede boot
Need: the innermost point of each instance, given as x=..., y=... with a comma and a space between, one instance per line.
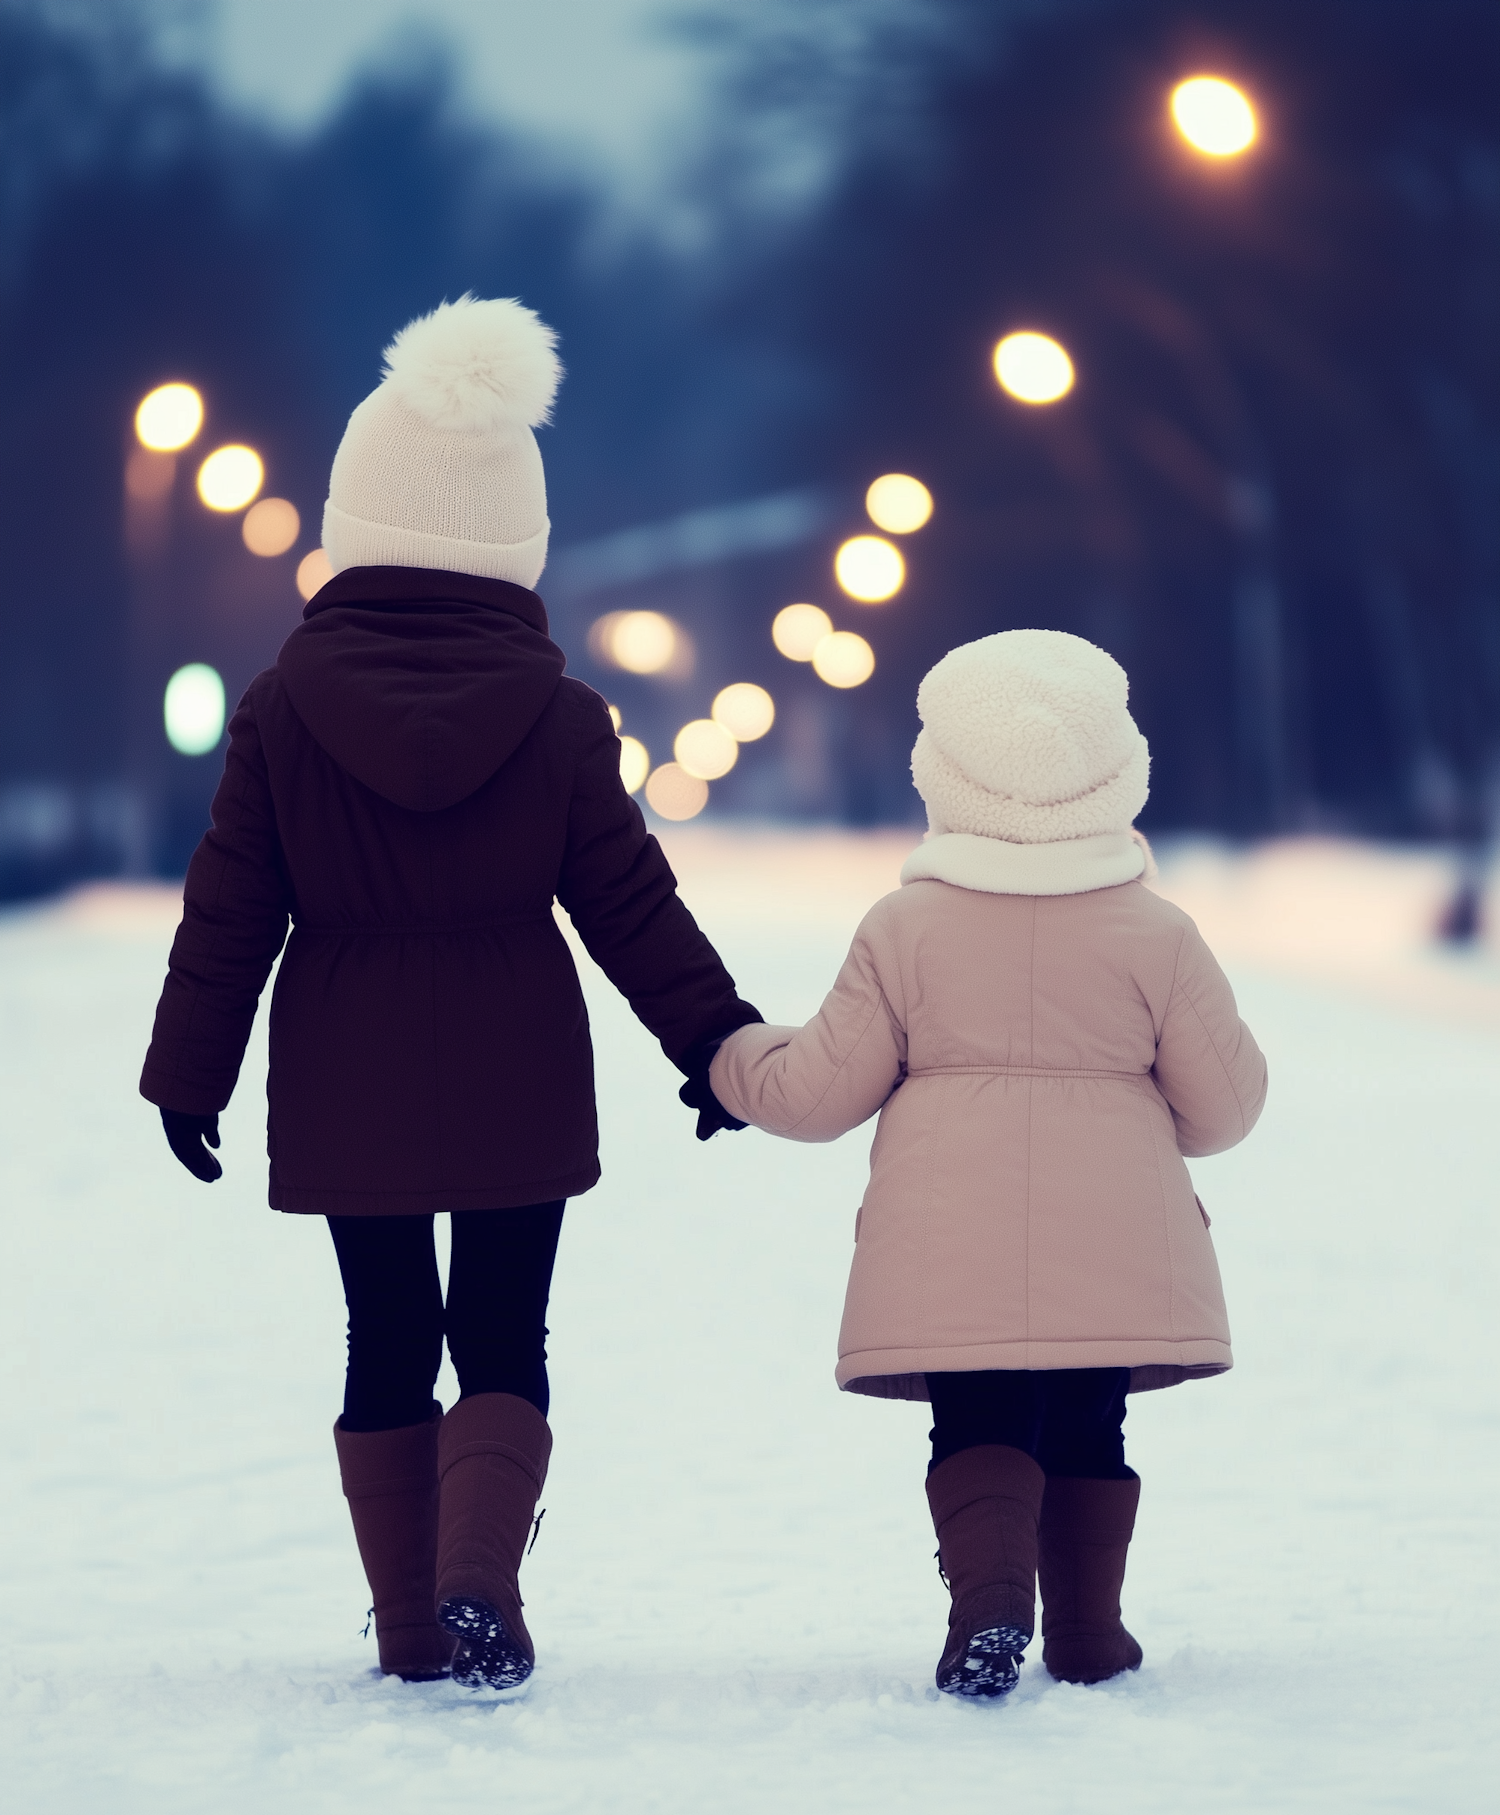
x=492, y=1461
x=391, y=1483
x=1085, y=1537
x=985, y=1504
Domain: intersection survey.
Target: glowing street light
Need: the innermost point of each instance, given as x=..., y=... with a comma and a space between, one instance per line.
x=641, y=642
x=230, y=477
x=671, y=793
x=744, y=710
x=843, y=660
x=635, y=764
x=314, y=571
x=898, y=504
x=1033, y=368
x=271, y=526
x=869, y=569
x=796, y=630
x=705, y=749
x=193, y=709
x=1214, y=116
x=168, y=418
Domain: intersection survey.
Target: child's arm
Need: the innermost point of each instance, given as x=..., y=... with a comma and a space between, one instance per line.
x=235, y=908
x=1208, y=1066
x=815, y=1083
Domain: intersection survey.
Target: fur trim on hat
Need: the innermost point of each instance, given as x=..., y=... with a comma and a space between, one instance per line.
x=476, y=366
x=1026, y=737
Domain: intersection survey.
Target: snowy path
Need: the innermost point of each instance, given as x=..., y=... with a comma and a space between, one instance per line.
x=734, y=1594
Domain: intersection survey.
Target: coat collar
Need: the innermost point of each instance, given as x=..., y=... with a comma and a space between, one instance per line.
x=388, y=588
x=993, y=867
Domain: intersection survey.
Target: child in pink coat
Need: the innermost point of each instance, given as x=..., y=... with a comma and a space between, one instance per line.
x=1045, y=1041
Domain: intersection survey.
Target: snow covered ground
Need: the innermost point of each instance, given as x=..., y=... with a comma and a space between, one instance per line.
x=734, y=1594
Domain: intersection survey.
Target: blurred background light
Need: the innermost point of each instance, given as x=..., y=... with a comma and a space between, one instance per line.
x=193, y=709
x=230, y=477
x=1033, y=368
x=640, y=642
x=796, y=630
x=635, y=763
x=1214, y=116
x=843, y=660
x=149, y=475
x=674, y=794
x=869, y=569
x=898, y=503
x=744, y=710
x=314, y=571
x=705, y=749
x=616, y=718
x=271, y=526
x=168, y=418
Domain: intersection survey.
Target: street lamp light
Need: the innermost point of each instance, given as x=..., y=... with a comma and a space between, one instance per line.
x=169, y=418
x=1033, y=368
x=1214, y=116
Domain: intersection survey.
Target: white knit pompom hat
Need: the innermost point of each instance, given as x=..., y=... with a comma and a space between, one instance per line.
x=1026, y=737
x=438, y=466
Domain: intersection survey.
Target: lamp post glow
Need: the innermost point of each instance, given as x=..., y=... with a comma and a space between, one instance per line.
x=843, y=660
x=869, y=569
x=169, y=418
x=797, y=630
x=705, y=749
x=230, y=477
x=1033, y=368
x=193, y=709
x=898, y=504
x=1214, y=116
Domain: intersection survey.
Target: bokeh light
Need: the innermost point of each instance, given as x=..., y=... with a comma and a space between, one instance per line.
x=796, y=630
x=271, y=526
x=149, y=475
x=869, y=569
x=705, y=749
x=168, y=418
x=640, y=642
x=744, y=710
x=314, y=571
x=674, y=794
x=193, y=709
x=898, y=503
x=230, y=477
x=616, y=718
x=843, y=660
x=635, y=763
x=1033, y=368
x=1214, y=116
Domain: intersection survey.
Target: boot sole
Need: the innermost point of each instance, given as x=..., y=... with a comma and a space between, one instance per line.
x=487, y=1656
x=990, y=1666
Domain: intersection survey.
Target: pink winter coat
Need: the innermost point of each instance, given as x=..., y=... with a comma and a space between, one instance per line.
x=1041, y=1064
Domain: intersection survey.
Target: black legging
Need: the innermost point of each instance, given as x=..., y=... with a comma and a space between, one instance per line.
x=495, y=1321
x=1066, y=1419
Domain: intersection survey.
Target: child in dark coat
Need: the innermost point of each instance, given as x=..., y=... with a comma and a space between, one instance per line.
x=411, y=787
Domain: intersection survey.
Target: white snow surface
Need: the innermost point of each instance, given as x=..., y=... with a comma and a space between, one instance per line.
x=733, y=1595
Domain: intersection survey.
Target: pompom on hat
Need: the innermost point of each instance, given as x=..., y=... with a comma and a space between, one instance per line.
x=438, y=466
x=1026, y=737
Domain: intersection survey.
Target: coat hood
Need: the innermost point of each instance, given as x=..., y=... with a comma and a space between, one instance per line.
x=420, y=683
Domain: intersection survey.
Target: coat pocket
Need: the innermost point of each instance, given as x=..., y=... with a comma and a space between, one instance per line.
x=1207, y=1219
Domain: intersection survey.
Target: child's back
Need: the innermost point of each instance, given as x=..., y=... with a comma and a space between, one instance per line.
x=1043, y=1062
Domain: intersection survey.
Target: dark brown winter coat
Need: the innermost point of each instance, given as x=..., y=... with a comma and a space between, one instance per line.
x=412, y=785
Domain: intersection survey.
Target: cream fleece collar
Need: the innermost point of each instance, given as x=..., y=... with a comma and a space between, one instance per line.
x=1072, y=866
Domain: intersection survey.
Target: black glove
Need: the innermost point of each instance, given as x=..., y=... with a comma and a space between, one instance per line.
x=698, y=1094
x=186, y=1135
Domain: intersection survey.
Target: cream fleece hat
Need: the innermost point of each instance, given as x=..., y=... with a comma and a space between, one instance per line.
x=1026, y=737
x=438, y=466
